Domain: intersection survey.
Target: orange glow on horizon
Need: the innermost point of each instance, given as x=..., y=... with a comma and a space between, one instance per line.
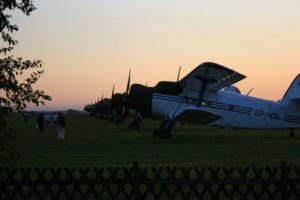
x=87, y=48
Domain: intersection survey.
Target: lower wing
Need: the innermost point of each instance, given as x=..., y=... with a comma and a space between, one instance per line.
x=198, y=116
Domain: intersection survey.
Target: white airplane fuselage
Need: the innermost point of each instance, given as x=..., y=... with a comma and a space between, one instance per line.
x=235, y=110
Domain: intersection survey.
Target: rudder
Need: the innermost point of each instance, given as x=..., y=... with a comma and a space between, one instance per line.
x=293, y=92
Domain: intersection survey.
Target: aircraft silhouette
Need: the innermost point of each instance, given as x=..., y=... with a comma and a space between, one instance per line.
x=206, y=96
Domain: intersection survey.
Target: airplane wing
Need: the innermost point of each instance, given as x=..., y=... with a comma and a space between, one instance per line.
x=197, y=116
x=296, y=100
x=215, y=76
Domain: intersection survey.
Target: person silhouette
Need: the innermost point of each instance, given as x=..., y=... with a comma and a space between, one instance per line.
x=61, y=124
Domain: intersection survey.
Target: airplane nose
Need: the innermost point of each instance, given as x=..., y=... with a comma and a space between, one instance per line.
x=141, y=98
x=117, y=102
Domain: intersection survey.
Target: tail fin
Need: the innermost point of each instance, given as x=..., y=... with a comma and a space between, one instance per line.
x=293, y=93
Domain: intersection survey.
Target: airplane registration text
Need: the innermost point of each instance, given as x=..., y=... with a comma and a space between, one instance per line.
x=267, y=114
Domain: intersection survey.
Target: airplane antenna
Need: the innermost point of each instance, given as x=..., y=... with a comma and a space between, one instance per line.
x=178, y=73
x=249, y=92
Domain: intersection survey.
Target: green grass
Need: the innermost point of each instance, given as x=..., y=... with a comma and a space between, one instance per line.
x=94, y=142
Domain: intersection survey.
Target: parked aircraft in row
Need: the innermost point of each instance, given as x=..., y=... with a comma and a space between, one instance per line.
x=207, y=96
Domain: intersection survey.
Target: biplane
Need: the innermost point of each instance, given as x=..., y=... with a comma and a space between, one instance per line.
x=207, y=96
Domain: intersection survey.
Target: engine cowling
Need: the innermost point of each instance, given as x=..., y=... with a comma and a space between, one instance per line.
x=140, y=98
x=117, y=102
x=168, y=87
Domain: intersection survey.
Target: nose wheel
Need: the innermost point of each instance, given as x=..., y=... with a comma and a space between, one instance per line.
x=119, y=120
x=292, y=133
x=135, y=125
x=164, y=132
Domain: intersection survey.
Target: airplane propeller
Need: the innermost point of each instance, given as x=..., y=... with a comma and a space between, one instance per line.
x=111, y=99
x=128, y=83
x=126, y=97
x=120, y=102
x=113, y=91
x=178, y=73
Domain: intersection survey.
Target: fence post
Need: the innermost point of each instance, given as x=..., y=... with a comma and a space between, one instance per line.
x=284, y=180
x=136, y=180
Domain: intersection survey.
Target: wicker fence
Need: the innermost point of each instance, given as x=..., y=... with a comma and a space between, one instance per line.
x=135, y=182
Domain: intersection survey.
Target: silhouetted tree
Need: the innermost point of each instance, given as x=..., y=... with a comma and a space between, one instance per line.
x=17, y=75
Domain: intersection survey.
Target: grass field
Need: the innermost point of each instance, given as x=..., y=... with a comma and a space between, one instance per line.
x=93, y=142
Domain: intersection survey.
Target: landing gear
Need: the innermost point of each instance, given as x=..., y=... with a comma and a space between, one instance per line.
x=111, y=118
x=119, y=120
x=135, y=125
x=164, y=132
x=292, y=133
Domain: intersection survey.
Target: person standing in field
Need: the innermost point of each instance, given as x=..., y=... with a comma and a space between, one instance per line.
x=40, y=123
x=61, y=124
x=47, y=119
x=54, y=118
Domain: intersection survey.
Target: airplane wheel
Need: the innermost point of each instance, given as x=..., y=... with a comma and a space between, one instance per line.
x=164, y=134
x=137, y=127
x=118, y=122
x=130, y=126
x=292, y=133
x=156, y=132
x=133, y=126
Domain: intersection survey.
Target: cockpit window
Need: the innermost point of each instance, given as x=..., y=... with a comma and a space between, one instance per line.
x=232, y=89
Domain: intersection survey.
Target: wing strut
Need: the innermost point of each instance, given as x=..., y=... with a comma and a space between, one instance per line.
x=205, y=82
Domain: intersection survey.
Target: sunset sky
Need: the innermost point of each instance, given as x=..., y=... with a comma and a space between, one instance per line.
x=87, y=46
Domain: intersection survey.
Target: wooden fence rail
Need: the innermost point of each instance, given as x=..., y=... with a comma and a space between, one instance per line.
x=135, y=182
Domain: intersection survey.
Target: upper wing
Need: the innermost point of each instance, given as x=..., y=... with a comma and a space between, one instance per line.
x=216, y=76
